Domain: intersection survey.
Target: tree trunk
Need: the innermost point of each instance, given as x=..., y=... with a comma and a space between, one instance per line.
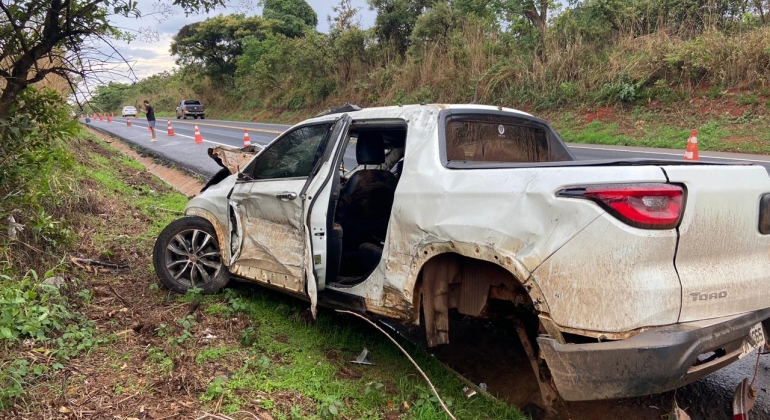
x=13, y=88
x=539, y=19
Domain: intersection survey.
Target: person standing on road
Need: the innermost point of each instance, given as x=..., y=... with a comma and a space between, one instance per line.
x=150, y=111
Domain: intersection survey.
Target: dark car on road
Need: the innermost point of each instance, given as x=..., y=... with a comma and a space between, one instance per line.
x=190, y=108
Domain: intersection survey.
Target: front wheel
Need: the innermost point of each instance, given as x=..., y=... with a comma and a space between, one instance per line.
x=187, y=256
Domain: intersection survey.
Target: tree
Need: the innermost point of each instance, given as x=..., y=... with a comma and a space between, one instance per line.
x=216, y=43
x=435, y=25
x=59, y=37
x=396, y=19
x=535, y=11
x=110, y=96
x=344, y=18
x=294, y=16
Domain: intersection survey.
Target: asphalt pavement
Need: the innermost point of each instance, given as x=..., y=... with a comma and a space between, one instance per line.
x=182, y=149
x=709, y=397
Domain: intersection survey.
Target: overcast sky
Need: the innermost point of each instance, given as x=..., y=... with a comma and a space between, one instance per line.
x=149, y=58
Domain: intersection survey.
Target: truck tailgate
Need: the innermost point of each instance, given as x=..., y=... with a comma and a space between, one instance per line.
x=722, y=259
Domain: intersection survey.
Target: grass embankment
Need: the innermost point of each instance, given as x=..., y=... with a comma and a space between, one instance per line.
x=115, y=344
x=723, y=125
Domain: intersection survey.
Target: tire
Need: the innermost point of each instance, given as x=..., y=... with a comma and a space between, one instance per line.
x=203, y=117
x=180, y=252
x=184, y=116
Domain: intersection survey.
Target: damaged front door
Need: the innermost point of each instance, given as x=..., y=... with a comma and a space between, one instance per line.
x=269, y=240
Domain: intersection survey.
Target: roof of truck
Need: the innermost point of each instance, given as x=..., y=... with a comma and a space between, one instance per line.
x=404, y=111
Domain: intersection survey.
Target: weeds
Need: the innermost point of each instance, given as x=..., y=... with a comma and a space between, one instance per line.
x=41, y=317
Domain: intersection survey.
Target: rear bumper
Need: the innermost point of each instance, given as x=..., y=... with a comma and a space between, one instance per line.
x=194, y=112
x=657, y=360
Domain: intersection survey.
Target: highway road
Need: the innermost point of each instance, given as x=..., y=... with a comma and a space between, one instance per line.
x=182, y=149
x=709, y=397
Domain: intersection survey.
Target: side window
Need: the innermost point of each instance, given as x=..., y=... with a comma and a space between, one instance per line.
x=293, y=155
x=500, y=139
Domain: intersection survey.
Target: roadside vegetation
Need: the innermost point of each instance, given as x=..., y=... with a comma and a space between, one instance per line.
x=654, y=68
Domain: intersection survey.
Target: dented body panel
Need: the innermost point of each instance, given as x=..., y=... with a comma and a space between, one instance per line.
x=272, y=248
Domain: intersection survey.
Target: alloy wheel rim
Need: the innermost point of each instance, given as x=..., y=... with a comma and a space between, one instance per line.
x=193, y=257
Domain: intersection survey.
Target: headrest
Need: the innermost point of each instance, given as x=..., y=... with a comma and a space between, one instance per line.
x=370, y=148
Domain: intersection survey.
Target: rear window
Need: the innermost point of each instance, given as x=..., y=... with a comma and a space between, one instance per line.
x=501, y=139
x=192, y=102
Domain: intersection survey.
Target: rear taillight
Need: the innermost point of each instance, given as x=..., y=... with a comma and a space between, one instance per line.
x=646, y=206
x=764, y=215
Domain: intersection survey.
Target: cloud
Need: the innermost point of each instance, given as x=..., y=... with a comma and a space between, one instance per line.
x=142, y=53
x=148, y=58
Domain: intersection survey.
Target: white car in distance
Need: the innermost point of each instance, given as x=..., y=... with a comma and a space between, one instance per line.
x=129, y=111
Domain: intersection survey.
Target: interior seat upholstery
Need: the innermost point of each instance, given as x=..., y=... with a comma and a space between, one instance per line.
x=366, y=199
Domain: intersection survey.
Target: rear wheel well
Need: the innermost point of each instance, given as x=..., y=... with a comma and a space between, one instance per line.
x=471, y=287
x=481, y=289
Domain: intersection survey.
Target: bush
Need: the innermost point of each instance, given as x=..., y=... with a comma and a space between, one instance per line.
x=41, y=317
x=33, y=156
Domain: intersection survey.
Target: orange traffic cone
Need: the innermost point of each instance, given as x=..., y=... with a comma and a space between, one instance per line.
x=198, y=137
x=100, y=117
x=691, y=153
x=246, y=139
x=109, y=118
x=128, y=122
x=170, y=129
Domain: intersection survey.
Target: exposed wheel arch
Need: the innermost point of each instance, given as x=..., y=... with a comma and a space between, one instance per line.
x=476, y=252
x=223, y=236
x=452, y=280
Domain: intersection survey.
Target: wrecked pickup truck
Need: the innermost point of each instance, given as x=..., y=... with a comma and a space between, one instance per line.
x=630, y=277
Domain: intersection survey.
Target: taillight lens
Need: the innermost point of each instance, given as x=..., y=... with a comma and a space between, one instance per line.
x=646, y=206
x=764, y=215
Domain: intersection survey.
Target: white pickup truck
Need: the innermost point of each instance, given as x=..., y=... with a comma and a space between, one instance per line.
x=630, y=277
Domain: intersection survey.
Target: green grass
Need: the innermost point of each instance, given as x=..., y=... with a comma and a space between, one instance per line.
x=743, y=134
x=282, y=353
x=146, y=198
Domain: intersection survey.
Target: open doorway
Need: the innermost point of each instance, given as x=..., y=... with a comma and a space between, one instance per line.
x=369, y=172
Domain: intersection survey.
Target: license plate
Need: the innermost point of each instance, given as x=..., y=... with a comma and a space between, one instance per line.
x=754, y=340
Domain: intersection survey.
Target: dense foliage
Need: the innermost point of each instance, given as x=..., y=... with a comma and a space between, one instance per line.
x=536, y=53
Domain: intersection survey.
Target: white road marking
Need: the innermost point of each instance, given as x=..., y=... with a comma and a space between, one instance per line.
x=157, y=136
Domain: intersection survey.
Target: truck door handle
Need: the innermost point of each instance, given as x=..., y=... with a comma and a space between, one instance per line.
x=287, y=195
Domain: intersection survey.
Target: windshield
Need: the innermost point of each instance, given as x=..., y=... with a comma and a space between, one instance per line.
x=192, y=102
